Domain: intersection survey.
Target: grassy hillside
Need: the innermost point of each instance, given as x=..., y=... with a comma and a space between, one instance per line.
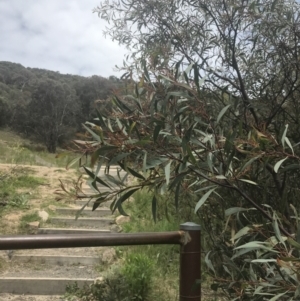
x=17, y=150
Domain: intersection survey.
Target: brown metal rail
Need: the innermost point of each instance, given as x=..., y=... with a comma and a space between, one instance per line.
x=188, y=237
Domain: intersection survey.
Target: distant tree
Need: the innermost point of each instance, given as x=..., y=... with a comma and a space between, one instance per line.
x=89, y=90
x=51, y=111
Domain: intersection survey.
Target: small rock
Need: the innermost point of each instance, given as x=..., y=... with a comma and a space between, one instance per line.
x=98, y=280
x=108, y=256
x=52, y=207
x=116, y=228
x=121, y=219
x=33, y=227
x=43, y=215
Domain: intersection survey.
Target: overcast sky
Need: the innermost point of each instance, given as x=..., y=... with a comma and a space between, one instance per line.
x=58, y=35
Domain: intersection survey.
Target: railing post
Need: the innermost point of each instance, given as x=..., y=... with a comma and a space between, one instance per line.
x=190, y=264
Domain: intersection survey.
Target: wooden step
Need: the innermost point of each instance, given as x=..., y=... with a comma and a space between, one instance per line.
x=82, y=221
x=57, y=259
x=71, y=231
x=86, y=212
x=39, y=286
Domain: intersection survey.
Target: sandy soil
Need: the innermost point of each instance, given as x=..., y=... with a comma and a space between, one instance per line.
x=43, y=193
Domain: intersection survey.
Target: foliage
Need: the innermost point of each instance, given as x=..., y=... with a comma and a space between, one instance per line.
x=132, y=282
x=10, y=182
x=51, y=110
x=47, y=106
x=212, y=119
x=138, y=270
x=260, y=263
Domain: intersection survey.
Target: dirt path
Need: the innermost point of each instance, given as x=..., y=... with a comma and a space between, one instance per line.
x=44, y=195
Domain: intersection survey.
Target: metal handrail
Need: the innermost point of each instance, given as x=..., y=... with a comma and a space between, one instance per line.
x=188, y=237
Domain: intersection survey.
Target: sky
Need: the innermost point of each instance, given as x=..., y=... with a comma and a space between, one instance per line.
x=58, y=35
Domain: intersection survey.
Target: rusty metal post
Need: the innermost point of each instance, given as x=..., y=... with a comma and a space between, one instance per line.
x=190, y=264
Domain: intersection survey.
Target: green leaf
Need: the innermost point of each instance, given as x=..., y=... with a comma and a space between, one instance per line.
x=248, y=181
x=284, y=135
x=263, y=260
x=223, y=111
x=278, y=164
x=294, y=243
x=101, y=151
x=121, y=104
x=209, y=263
x=204, y=198
x=209, y=161
x=95, y=136
x=98, y=202
x=135, y=174
x=145, y=162
x=118, y=158
x=100, y=118
x=95, y=178
x=241, y=233
x=290, y=167
x=242, y=252
x=168, y=171
x=113, y=180
x=249, y=163
x=289, y=144
x=153, y=162
x=256, y=245
x=177, y=66
x=235, y=210
x=278, y=296
x=73, y=161
x=124, y=197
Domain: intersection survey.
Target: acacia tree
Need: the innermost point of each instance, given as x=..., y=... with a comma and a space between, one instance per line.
x=212, y=119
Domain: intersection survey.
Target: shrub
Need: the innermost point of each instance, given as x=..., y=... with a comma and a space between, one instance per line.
x=131, y=282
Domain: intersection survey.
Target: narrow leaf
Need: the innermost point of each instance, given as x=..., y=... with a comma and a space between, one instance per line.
x=223, y=111
x=248, y=181
x=249, y=163
x=284, y=135
x=235, y=210
x=203, y=199
x=95, y=136
x=289, y=144
x=168, y=171
x=209, y=263
x=94, y=177
x=98, y=202
x=135, y=174
x=123, y=198
x=278, y=164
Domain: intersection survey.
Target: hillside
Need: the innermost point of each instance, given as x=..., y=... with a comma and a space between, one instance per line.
x=48, y=106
